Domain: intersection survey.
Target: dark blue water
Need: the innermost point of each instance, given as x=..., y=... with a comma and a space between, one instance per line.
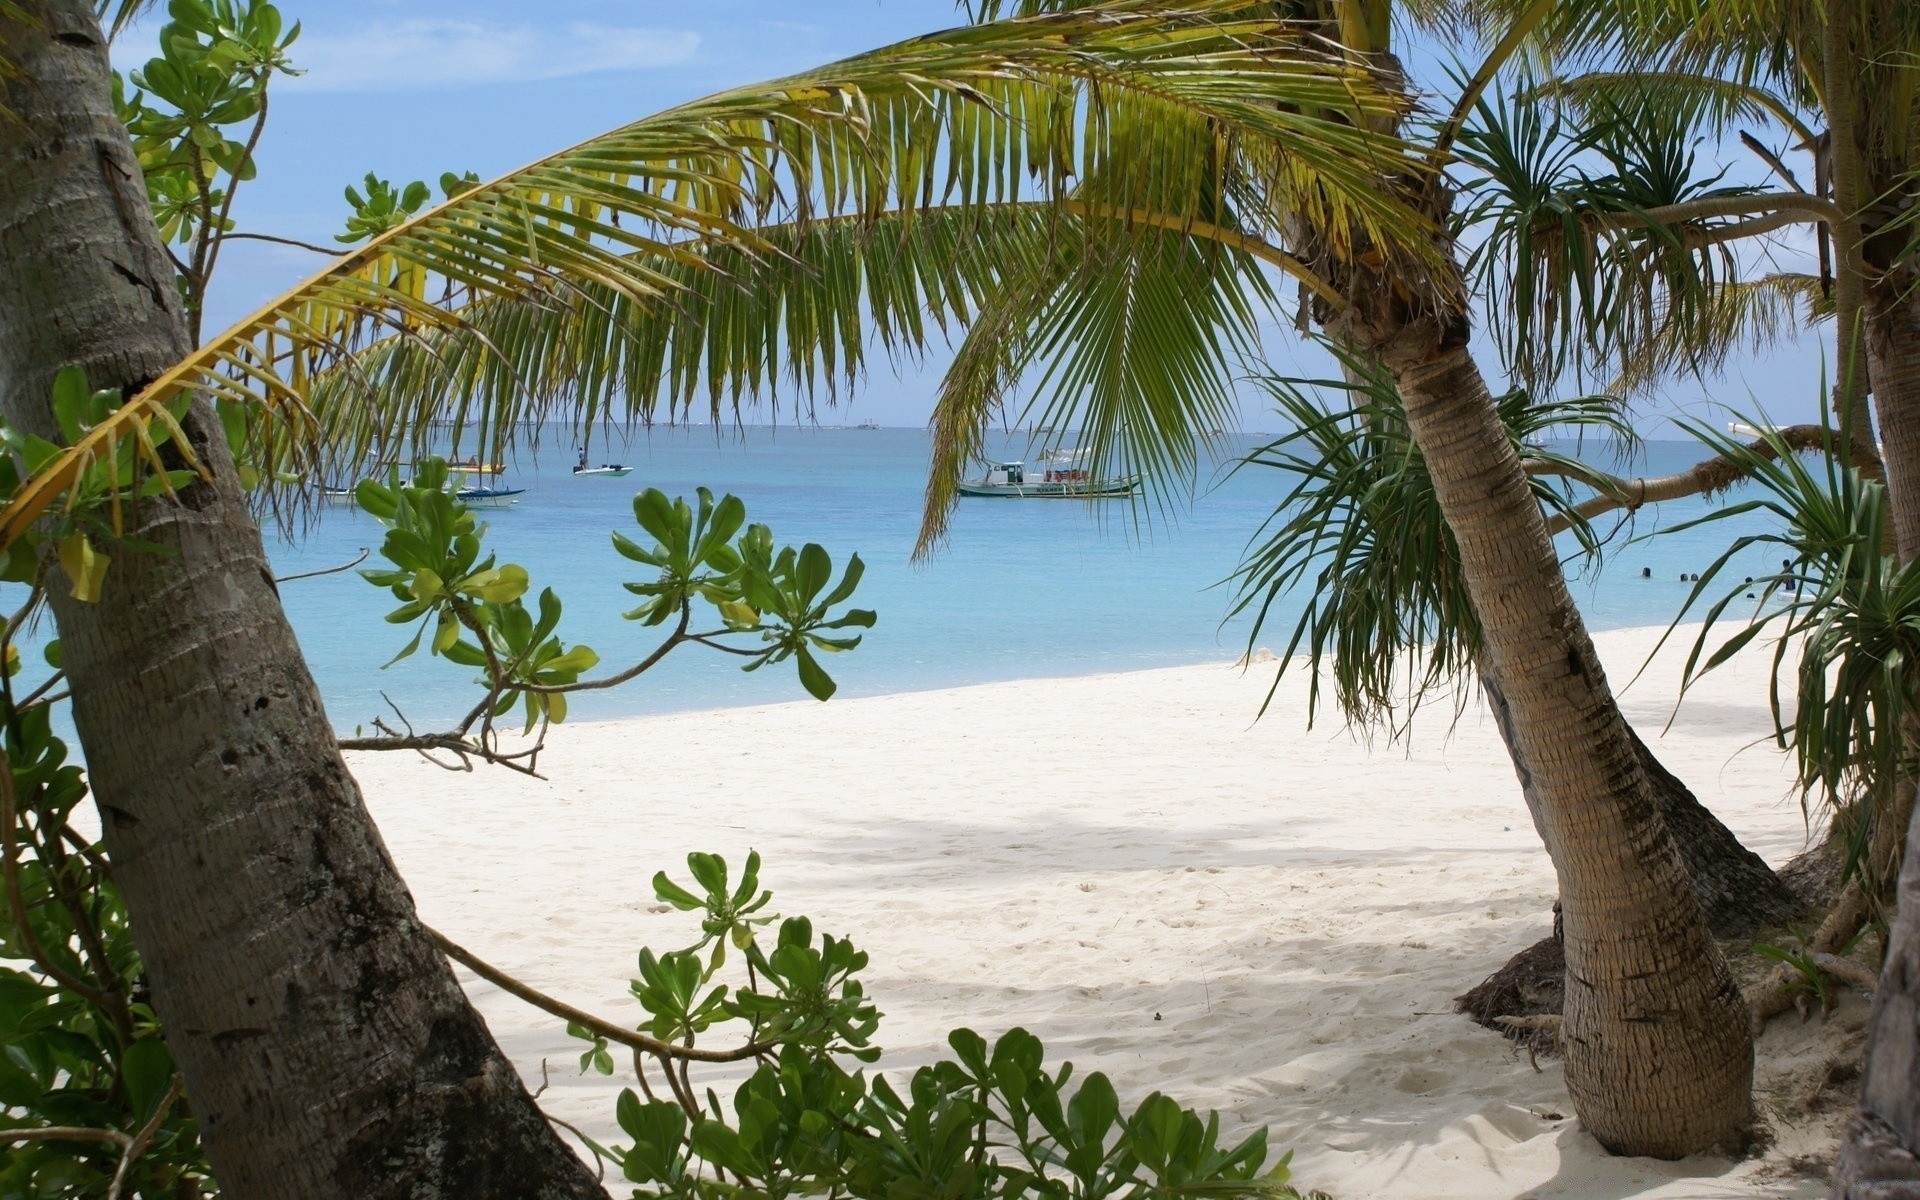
x=1022, y=589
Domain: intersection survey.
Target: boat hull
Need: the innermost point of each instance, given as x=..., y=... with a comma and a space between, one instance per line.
x=609, y=472
x=489, y=497
x=1092, y=489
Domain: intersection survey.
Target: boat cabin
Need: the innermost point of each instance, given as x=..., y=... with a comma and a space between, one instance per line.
x=1006, y=474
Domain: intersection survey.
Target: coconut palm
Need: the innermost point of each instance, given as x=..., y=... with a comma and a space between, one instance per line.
x=1132, y=345
x=323, y=1040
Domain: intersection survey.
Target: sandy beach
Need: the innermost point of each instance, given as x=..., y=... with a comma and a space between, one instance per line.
x=1250, y=916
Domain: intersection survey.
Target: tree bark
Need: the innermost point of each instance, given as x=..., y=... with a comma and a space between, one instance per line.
x=326, y=1047
x=1893, y=361
x=1658, y=1053
x=1880, y=1151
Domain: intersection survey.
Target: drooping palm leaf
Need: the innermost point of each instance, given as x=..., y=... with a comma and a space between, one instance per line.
x=1846, y=632
x=1361, y=537
x=975, y=116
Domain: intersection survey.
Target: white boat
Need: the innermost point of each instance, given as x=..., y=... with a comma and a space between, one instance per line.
x=1060, y=477
x=868, y=425
x=610, y=470
x=337, y=495
x=489, y=497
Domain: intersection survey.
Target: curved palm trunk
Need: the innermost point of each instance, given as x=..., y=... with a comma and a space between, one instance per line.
x=1880, y=1152
x=1659, y=1057
x=326, y=1047
x=1893, y=363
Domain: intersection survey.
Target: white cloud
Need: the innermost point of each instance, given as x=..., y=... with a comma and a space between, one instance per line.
x=419, y=55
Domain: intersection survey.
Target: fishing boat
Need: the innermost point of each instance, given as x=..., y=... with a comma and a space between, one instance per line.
x=610, y=470
x=1060, y=477
x=489, y=497
x=473, y=466
x=868, y=425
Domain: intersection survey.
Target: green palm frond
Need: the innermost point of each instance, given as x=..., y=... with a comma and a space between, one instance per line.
x=796, y=316
x=1852, y=615
x=1710, y=103
x=1361, y=536
x=1129, y=345
x=973, y=117
x=1589, y=265
x=1733, y=317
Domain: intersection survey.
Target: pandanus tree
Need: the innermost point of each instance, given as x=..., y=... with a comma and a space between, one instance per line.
x=1128, y=291
x=325, y=1046
x=1839, y=82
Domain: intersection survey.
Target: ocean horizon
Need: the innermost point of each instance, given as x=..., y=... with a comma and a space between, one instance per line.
x=1019, y=590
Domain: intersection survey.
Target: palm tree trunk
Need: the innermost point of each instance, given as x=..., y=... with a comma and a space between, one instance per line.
x=1880, y=1151
x=326, y=1047
x=1893, y=362
x=1659, y=1056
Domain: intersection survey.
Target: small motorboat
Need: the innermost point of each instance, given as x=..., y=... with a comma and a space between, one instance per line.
x=1060, y=478
x=610, y=470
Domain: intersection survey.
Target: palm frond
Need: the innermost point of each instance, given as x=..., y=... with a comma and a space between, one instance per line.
x=1733, y=317
x=1850, y=610
x=1130, y=345
x=977, y=116
x=1361, y=536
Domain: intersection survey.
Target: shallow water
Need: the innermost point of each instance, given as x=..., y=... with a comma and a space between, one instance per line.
x=1021, y=590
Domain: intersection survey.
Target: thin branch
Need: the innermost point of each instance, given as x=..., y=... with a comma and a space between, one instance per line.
x=1711, y=475
x=66, y=1133
x=579, y=1016
x=346, y=566
x=296, y=243
x=141, y=1140
x=216, y=233
x=1771, y=159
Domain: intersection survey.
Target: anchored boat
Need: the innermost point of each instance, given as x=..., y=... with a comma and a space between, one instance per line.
x=610, y=470
x=1059, y=477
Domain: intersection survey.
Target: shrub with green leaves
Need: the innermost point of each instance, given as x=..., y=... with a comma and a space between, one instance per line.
x=992, y=1120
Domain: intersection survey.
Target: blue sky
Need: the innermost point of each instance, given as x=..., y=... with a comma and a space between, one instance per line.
x=411, y=88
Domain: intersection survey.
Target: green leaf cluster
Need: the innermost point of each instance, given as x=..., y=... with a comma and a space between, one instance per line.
x=787, y=597
x=474, y=606
x=992, y=1120
x=1361, y=536
x=1843, y=603
x=210, y=77
x=79, y=1047
x=388, y=206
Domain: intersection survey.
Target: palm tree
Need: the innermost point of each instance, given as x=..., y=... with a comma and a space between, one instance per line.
x=1126, y=296
x=324, y=1043
x=1130, y=328
x=1840, y=80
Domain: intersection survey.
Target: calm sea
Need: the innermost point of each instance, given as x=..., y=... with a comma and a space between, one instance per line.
x=1022, y=589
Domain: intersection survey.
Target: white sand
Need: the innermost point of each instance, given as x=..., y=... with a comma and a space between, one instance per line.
x=1249, y=916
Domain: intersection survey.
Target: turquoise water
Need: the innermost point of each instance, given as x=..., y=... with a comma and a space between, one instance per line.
x=1021, y=590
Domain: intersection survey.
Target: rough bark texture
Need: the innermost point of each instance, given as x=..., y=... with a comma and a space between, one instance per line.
x=327, y=1049
x=1737, y=892
x=1659, y=1058
x=1880, y=1153
x=1893, y=357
